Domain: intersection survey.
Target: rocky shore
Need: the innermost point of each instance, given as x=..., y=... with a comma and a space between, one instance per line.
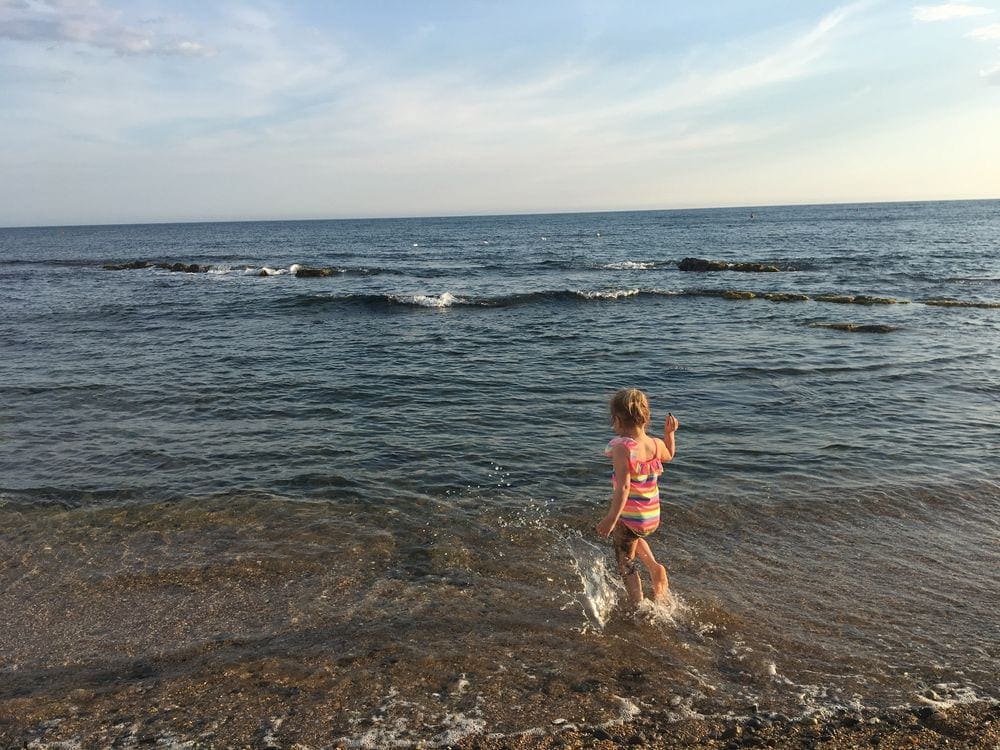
x=23, y=724
x=972, y=726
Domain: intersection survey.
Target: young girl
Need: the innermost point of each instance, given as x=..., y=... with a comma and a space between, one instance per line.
x=635, y=502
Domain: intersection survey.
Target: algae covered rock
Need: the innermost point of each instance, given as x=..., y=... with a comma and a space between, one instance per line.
x=753, y=268
x=313, y=273
x=855, y=327
x=700, y=264
x=961, y=303
x=785, y=297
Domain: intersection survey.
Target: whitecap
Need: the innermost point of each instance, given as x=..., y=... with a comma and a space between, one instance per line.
x=613, y=294
x=424, y=300
x=630, y=265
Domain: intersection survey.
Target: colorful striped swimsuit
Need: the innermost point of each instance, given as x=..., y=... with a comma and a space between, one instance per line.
x=642, y=508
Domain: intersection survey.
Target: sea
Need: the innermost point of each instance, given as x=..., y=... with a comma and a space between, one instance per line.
x=361, y=503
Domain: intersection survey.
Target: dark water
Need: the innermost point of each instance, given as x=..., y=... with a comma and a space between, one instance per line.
x=400, y=464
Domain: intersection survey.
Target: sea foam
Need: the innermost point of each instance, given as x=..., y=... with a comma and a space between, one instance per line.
x=423, y=300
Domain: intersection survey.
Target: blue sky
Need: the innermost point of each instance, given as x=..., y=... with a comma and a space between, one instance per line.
x=117, y=111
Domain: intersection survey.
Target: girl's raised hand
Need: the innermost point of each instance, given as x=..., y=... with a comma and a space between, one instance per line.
x=670, y=423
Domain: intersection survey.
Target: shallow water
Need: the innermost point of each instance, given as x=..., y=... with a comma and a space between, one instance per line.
x=379, y=487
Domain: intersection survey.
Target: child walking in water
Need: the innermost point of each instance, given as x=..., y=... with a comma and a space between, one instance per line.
x=635, y=502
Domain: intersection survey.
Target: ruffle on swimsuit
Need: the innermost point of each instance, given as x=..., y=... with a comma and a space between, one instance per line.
x=642, y=507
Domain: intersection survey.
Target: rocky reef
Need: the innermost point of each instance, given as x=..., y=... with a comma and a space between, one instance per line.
x=314, y=273
x=702, y=265
x=859, y=299
x=856, y=327
x=961, y=303
x=175, y=267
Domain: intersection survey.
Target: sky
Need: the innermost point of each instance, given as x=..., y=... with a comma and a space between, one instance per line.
x=143, y=111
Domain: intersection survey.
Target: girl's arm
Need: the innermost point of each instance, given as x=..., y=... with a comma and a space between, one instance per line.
x=670, y=425
x=619, y=455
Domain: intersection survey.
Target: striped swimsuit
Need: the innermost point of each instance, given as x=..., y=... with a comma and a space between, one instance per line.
x=642, y=508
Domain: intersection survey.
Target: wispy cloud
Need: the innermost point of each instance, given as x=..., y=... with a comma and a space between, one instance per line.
x=991, y=75
x=986, y=33
x=792, y=60
x=89, y=23
x=948, y=12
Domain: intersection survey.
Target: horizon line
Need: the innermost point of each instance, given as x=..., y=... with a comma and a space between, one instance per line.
x=729, y=207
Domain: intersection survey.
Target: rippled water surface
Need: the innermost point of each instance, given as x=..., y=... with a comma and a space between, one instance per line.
x=393, y=471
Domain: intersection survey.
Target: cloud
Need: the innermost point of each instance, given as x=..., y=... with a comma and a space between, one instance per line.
x=986, y=33
x=991, y=75
x=947, y=12
x=87, y=22
x=792, y=60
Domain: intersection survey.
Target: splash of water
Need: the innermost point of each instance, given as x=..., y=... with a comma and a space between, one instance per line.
x=601, y=585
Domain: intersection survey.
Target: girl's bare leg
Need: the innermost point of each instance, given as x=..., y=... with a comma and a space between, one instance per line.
x=625, y=550
x=657, y=572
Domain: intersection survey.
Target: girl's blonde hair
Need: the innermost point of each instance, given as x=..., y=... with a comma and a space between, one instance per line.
x=630, y=407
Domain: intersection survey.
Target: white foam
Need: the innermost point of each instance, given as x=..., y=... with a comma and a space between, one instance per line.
x=268, y=270
x=389, y=731
x=424, y=300
x=666, y=612
x=457, y=726
x=630, y=265
x=945, y=695
x=613, y=294
x=628, y=709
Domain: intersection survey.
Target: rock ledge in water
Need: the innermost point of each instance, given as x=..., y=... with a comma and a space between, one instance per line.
x=855, y=327
x=173, y=267
x=859, y=299
x=700, y=264
x=961, y=303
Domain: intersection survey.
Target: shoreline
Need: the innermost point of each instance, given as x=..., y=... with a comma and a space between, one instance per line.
x=974, y=726
x=132, y=717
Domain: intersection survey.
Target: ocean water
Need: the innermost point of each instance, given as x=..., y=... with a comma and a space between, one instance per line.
x=379, y=487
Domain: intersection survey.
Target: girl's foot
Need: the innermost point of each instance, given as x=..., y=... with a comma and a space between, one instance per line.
x=660, y=583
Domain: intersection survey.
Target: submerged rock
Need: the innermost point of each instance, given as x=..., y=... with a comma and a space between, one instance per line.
x=724, y=293
x=174, y=267
x=840, y=299
x=856, y=327
x=184, y=267
x=312, y=273
x=785, y=297
x=700, y=264
x=753, y=268
x=131, y=266
x=863, y=299
x=960, y=303
x=859, y=299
